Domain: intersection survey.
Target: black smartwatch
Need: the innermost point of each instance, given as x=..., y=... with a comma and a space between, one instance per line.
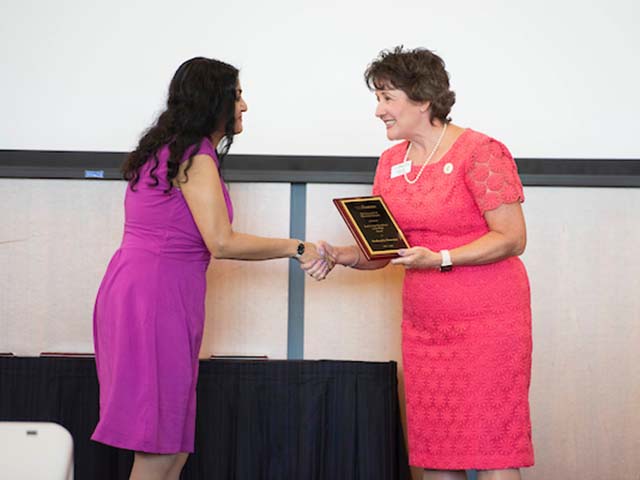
x=300, y=250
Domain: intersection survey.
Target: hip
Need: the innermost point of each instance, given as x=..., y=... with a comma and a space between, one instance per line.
x=494, y=287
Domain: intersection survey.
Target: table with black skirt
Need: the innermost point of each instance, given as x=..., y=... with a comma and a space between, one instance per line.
x=256, y=420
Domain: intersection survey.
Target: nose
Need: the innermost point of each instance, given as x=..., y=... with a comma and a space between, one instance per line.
x=243, y=106
x=380, y=110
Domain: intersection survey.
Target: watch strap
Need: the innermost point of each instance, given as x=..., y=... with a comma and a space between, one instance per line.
x=446, y=264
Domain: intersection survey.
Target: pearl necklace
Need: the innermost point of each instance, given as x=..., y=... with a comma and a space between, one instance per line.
x=435, y=148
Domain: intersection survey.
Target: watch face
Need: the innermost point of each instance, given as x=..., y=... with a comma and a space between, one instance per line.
x=300, y=248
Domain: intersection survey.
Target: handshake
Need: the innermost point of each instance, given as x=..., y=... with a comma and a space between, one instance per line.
x=320, y=258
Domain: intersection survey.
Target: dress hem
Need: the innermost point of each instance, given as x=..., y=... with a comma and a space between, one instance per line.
x=494, y=463
x=139, y=446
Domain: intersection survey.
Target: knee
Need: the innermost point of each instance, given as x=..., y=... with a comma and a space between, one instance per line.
x=444, y=475
x=148, y=465
x=178, y=464
x=507, y=474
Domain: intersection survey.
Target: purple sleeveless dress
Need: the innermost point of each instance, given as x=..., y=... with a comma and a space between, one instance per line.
x=148, y=320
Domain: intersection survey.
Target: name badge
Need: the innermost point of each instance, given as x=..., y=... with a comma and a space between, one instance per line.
x=400, y=169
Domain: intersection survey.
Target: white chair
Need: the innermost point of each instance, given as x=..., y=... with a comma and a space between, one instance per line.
x=35, y=451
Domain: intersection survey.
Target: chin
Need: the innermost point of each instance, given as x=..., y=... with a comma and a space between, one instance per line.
x=392, y=136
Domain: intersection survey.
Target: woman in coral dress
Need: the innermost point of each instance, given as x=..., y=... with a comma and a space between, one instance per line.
x=149, y=312
x=466, y=330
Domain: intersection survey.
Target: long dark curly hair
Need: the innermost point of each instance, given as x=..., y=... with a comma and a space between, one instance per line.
x=201, y=100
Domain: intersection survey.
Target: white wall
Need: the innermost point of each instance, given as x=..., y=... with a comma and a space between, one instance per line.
x=56, y=237
x=585, y=281
x=550, y=78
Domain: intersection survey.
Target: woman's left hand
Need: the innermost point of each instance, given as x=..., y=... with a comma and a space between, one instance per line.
x=418, y=257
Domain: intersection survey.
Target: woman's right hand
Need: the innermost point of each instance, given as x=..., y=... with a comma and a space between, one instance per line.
x=310, y=253
x=347, y=256
x=350, y=256
x=318, y=263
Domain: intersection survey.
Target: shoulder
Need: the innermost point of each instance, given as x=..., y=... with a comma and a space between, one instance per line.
x=207, y=148
x=490, y=168
x=203, y=148
x=482, y=146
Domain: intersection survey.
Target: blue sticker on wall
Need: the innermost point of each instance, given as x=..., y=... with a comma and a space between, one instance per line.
x=94, y=174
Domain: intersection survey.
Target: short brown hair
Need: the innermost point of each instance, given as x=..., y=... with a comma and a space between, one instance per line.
x=419, y=73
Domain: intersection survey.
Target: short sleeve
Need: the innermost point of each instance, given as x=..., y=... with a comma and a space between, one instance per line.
x=492, y=177
x=205, y=148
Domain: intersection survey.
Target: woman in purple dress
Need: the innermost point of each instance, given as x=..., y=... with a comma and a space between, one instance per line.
x=149, y=312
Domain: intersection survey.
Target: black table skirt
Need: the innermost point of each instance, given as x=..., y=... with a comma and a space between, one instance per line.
x=257, y=420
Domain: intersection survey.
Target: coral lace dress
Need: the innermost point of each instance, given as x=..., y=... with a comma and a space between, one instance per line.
x=466, y=334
